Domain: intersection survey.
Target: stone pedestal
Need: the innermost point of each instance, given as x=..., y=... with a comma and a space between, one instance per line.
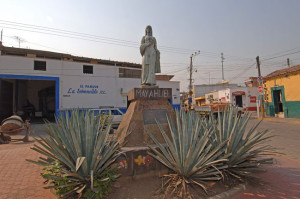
x=146, y=106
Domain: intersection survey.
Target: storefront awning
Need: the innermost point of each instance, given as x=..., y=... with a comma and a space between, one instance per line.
x=238, y=93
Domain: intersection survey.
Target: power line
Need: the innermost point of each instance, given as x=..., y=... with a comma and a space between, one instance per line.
x=281, y=55
x=84, y=36
x=92, y=40
x=244, y=71
x=283, y=52
x=176, y=71
x=126, y=43
x=25, y=41
x=95, y=38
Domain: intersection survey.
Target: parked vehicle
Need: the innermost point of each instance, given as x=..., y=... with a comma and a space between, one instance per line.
x=115, y=114
x=208, y=108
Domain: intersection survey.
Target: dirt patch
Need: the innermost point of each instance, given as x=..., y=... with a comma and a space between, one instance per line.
x=146, y=189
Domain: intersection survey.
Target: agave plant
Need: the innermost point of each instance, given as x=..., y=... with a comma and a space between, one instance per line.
x=189, y=154
x=248, y=148
x=78, y=141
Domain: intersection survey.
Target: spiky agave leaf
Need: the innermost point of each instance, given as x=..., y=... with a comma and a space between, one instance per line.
x=79, y=142
x=188, y=152
x=247, y=147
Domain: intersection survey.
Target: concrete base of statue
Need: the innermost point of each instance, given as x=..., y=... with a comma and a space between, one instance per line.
x=147, y=105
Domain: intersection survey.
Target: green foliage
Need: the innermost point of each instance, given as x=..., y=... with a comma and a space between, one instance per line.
x=54, y=168
x=189, y=154
x=102, y=183
x=78, y=142
x=203, y=149
x=248, y=148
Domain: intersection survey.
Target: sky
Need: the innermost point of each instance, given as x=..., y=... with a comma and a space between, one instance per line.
x=240, y=29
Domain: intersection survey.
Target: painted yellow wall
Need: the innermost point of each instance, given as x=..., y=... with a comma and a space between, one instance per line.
x=291, y=85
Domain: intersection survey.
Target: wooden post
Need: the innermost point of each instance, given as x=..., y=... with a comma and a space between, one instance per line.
x=260, y=84
x=27, y=126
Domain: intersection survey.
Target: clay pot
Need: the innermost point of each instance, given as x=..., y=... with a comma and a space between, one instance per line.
x=12, y=123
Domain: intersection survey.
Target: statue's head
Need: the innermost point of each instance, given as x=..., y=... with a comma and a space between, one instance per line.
x=148, y=30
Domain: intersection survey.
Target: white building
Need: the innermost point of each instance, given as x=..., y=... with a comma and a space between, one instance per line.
x=243, y=97
x=201, y=90
x=45, y=82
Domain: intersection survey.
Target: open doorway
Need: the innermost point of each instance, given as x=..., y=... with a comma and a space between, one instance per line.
x=239, y=100
x=34, y=99
x=6, y=99
x=278, y=105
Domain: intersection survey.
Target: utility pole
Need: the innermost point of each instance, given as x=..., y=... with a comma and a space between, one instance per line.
x=1, y=37
x=191, y=72
x=222, y=60
x=288, y=62
x=191, y=78
x=260, y=84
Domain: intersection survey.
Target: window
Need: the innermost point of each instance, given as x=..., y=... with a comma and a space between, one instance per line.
x=40, y=65
x=129, y=73
x=87, y=69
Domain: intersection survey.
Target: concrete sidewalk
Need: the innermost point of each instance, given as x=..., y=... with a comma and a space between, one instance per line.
x=19, y=178
x=280, y=120
x=282, y=181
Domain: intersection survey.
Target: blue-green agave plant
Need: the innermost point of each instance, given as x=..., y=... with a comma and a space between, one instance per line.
x=189, y=154
x=80, y=142
x=247, y=145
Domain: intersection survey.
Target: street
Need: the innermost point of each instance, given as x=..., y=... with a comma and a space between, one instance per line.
x=286, y=135
x=282, y=179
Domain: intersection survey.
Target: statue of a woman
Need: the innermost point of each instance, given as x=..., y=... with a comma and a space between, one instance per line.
x=151, y=58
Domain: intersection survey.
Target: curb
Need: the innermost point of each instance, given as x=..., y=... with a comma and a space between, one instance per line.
x=277, y=120
x=228, y=194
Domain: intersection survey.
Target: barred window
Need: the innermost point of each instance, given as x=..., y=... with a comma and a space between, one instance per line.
x=129, y=73
x=40, y=65
x=87, y=69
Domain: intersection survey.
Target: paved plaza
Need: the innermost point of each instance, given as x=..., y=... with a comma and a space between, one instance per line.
x=21, y=179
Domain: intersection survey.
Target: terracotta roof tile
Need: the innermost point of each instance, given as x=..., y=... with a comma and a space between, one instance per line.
x=283, y=71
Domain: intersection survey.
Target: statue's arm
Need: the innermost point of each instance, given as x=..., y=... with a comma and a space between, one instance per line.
x=155, y=44
x=143, y=46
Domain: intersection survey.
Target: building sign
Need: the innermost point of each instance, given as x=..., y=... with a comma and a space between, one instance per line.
x=85, y=89
x=238, y=93
x=150, y=93
x=252, y=99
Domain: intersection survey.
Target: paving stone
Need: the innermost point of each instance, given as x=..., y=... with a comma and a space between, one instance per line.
x=19, y=178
